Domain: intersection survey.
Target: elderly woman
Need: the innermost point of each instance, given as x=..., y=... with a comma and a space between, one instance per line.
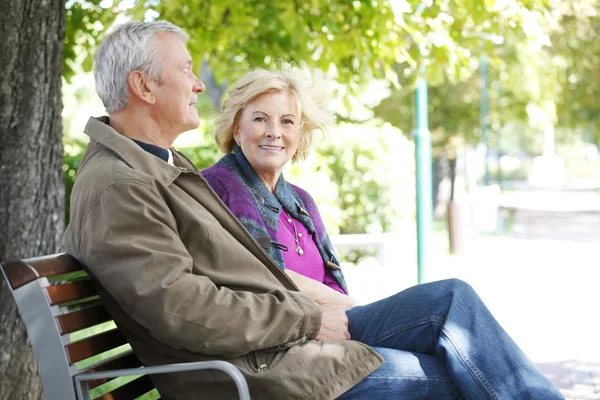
x=438, y=340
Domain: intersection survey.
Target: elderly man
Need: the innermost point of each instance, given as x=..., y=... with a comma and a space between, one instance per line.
x=179, y=274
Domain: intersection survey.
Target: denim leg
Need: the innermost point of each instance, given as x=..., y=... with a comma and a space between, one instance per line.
x=447, y=319
x=406, y=376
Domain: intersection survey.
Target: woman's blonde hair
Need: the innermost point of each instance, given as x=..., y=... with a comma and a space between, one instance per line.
x=309, y=95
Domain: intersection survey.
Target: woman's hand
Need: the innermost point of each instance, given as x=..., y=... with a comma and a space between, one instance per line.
x=319, y=292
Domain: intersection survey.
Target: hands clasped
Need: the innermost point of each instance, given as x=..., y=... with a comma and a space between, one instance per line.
x=334, y=323
x=333, y=304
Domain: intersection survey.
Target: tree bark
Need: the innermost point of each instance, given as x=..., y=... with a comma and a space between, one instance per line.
x=31, y=183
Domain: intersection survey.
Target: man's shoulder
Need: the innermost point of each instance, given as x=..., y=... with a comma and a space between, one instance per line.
x=100, y=169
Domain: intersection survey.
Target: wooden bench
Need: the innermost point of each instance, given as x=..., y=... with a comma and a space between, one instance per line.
x=80, y=352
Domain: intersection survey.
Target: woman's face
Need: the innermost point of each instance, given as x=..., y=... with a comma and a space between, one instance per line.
x=268, y=132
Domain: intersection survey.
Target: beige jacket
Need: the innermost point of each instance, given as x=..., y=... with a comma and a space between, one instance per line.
x=186, y=282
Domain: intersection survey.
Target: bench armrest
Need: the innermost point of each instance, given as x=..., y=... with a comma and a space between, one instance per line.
x=229, y=369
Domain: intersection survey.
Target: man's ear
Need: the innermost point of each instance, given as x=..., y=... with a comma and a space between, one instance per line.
x=141, y=86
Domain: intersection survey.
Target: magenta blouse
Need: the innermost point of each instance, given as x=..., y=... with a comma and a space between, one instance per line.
x=310, y=263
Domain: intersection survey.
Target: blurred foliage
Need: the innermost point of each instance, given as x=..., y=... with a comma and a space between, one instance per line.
x=543, y=54
x=521, y=173
x=234, y=36
x=575, y=56
x=362, y=178
x=549, y=77
x=359, y=40
x=73, y=151
x=85, y=23
x=202, y=156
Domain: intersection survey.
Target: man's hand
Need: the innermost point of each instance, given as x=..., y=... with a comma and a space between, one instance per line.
x=334, y=323
x=319, y=292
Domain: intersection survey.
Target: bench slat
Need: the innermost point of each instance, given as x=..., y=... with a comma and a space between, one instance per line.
x=24, y=271
x=81, y=319
x=131, y=390
x=66, y=289
x=71, y=291
x=94, y=345
x=130, y=360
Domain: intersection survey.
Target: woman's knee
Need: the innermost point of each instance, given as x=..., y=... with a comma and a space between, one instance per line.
x=460, y=288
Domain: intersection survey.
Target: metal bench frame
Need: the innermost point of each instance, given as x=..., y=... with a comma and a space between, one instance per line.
x=60, y=379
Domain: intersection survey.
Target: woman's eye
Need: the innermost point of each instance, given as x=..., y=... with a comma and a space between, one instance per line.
x=288, y=122
x=259, y=119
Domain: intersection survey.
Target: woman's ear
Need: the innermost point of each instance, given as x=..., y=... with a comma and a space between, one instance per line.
x=141, y=86
x=236, y=135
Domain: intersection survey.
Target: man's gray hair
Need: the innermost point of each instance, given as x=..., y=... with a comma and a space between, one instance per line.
x=129, y=47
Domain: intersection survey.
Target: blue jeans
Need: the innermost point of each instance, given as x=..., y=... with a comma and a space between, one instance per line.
x=439, y=341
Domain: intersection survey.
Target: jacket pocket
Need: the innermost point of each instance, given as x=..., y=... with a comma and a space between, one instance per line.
x=258, y=364
x=258, y=361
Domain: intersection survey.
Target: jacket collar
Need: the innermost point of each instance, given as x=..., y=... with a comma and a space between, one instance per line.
x=132, y=154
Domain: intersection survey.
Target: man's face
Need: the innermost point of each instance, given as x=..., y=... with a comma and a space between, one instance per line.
x=176, y=92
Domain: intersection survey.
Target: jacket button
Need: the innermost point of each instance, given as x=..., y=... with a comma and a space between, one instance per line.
x=259, y=199
x=272, y=208
x=311, y=335
x=264, y=241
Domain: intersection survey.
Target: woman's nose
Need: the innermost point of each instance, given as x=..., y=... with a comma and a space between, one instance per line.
x=274, y=130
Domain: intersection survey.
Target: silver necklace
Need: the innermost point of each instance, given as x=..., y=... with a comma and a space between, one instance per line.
x=296, y=236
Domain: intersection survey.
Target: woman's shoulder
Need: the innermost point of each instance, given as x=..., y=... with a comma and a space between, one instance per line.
x=222, y=179
x=303, y=194
x=307, y=199
x=220, y=172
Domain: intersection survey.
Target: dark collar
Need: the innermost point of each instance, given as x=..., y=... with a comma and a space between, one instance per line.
x=159, y=152
x=100, y=132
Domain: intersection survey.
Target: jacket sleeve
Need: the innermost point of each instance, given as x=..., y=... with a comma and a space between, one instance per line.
x=129, y=242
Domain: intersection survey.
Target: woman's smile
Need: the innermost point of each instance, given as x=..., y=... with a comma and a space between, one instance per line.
x=271, y=148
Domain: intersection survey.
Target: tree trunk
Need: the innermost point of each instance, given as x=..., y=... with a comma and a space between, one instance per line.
x=439, y=194
x=31, y=183
x=214, y=90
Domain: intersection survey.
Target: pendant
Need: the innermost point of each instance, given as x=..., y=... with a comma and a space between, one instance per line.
x=299, y=250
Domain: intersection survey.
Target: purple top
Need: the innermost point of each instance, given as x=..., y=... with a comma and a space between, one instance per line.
x=310, y=263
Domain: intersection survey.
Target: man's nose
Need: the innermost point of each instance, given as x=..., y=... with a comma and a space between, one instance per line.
x=198, y=86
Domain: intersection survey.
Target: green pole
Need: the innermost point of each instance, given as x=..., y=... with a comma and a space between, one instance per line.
x=423, y=177
x=484, y=115
x=499, y=141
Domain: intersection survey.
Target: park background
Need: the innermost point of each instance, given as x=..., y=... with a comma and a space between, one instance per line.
x=513, y=112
